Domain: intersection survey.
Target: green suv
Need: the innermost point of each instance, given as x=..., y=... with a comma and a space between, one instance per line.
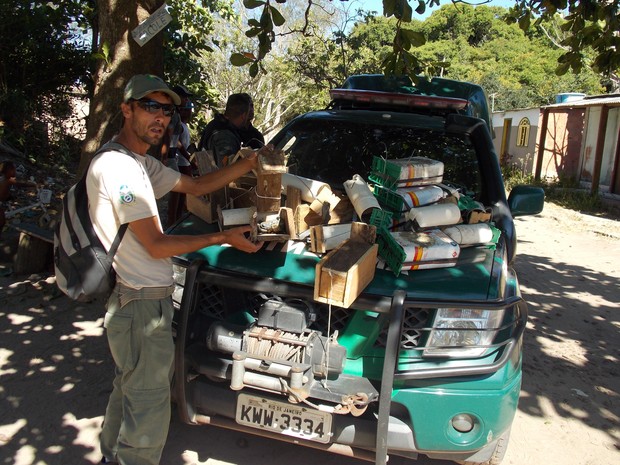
x=424, y=361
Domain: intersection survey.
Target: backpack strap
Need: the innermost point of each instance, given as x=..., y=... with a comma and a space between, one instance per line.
x=112, y=145
x=117, y=239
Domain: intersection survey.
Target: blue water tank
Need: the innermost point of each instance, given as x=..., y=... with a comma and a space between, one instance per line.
x=568, y=97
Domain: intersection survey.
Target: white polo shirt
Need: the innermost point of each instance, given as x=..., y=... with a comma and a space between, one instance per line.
x=122, y=189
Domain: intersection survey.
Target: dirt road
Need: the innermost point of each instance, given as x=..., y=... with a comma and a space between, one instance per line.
x=55, y=372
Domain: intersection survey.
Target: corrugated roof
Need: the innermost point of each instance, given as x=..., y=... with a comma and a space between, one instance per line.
x=611, y=99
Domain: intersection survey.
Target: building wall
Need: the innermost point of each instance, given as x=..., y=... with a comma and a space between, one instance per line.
x=506, y=127
x=593, y=117
x=563, y=143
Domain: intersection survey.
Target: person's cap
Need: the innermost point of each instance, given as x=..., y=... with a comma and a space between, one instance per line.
x=182, y=91
x=141, y=85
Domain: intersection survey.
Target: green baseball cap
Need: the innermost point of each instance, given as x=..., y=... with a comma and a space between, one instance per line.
x=141, y=85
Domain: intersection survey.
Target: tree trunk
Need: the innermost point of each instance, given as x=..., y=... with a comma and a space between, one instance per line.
x=117, y=18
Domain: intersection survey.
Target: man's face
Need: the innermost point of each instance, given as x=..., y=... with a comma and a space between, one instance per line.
x=147, y=120
x=185, y=109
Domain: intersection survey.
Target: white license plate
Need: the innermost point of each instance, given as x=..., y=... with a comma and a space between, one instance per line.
x=281, y=417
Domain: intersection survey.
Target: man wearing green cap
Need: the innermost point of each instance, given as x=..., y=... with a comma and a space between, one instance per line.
x=123, y=184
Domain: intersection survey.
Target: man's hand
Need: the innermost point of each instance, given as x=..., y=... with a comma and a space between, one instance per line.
x=266, y=152
x=246, y=161
x=237, y=238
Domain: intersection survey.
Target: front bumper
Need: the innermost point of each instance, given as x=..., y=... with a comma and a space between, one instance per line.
x=416, y=407
x=419, y=420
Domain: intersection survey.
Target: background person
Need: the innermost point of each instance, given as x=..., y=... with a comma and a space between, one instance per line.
x=175, y=150
x=250, y=136
x=222, y=136
x=186, y=113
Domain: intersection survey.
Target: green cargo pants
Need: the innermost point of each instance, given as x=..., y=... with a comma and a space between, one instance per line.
x=137, y=417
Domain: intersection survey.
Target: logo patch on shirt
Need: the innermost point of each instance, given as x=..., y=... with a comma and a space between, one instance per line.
x=126, y=195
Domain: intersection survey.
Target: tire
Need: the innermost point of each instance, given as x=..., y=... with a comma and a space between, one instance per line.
x=501, y=446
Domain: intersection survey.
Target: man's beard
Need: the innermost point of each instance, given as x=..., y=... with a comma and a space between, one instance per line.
x=153, y=140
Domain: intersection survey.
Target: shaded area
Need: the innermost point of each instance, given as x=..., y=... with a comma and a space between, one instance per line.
x=571, y=344
x=56, y=375
x=56, y=372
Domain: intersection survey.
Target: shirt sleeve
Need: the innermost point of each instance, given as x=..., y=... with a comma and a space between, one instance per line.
x=185, y=136
x=121, y=182
x=163, y=179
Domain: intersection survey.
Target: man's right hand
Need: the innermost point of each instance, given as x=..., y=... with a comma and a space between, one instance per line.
x=237, y=238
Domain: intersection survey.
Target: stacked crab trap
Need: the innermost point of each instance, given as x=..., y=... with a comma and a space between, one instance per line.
x=403, y=217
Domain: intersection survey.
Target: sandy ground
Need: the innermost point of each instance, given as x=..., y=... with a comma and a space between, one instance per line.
x=55, y=371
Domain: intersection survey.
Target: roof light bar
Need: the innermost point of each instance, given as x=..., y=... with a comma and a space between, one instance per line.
x=392, y=98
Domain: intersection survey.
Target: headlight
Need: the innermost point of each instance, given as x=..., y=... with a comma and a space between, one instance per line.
x=179, y=284
x=179, y=274
x=459, y=333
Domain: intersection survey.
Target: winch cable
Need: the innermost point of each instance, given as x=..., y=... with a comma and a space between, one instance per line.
x=329, y=334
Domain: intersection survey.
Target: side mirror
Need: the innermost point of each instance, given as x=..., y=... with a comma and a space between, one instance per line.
x=526, y=200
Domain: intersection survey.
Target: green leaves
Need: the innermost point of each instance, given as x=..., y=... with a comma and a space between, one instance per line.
x=589, y=25
x=421, y=8
x=241, y=59
x=104, y=53
x=409, y=38
x=400, y=9
x=251, y=4
x=389, y=7
x=524, y=22
x=253, y=69
x=261, y=29
x=277, y=17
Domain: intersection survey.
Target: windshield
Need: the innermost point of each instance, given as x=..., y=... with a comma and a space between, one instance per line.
x=333, y=151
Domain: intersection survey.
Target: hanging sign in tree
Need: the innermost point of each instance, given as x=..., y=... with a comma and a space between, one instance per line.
x=147, y=29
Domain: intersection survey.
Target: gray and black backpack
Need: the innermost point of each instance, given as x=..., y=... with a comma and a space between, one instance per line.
x=82, y=265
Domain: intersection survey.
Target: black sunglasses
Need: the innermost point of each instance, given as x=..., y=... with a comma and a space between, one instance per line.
x=152, y=107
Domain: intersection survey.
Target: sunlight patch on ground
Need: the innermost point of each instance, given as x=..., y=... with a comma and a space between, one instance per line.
x=594, y=301
x=26, y=455
x=578, y=413
x=89, y=328
x=8, y=431
x=67, y=387
x=5, y=354
x=570, y=350
x=19, y=319
x=88, y=430
x=529, y=290
x=54, y=449
x=191, y=458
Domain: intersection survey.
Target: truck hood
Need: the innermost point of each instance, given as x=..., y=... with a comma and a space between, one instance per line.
x=475, y=277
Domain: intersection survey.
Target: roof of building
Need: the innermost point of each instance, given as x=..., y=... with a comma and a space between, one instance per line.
x=594, y=100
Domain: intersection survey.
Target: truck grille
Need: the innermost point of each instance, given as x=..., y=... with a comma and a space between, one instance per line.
x=415, y=320
x=215, y=302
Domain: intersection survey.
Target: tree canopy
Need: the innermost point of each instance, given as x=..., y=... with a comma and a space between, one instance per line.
x=43, y=57
x=287, y=54
x=589, y=24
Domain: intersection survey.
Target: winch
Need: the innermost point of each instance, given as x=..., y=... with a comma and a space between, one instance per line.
x=280, y=337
